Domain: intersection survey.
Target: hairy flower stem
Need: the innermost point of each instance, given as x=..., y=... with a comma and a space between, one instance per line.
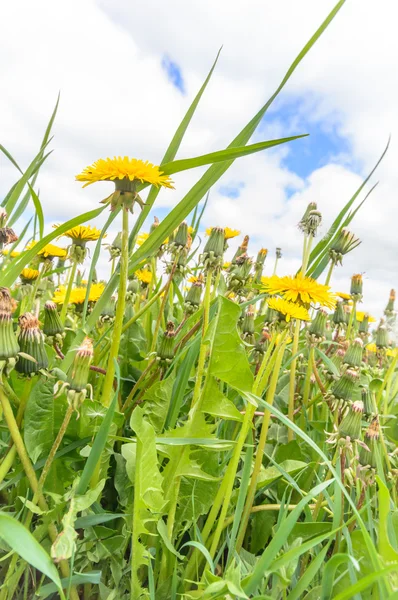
x=330, y=271
x=292, y=381
x=119, y=316
x=203, y=346
x=260, y=448
x=162, y=306
x=307, y=380
x=34, y=484
x=54, y=449
x=351, y=320
x=71, y=280
x=306, y=253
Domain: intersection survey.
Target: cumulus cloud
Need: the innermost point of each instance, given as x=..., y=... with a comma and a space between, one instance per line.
x=106, y=57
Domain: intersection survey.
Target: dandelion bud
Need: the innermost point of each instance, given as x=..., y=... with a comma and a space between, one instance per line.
x=364, y=325
x=212, y=256
x=108, y=312
x=259, y=264
x=242, y=249
x=344, y=387
x=368, y=452
x=115, y=249
x=248, y=326
x=165, y=351
x=9, y=347
x=52, y=328
x=368, y=406
x=350, y=426
x=7, y=236
x=3, y=217
x=154, y=224
x=262, y=342
x=270, y=316
x=356, y=287
x=317, y=329
x=278, y=253
x=80, y=368
x=339, y=315
x=31, y=342
x=382, y=340
x=389, y=310
x=181, y=237
x=192, y=299
x=341, y=245
x=311, y=220
x=240, y=273
x=133, y=288
x=353, y=356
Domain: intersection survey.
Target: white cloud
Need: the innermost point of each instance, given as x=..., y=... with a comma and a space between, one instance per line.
x=105, y=57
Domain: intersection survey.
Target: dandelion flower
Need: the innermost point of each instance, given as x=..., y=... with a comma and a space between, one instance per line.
x=29, y=274
x=11, y=254
x=82, y=233
x=52, y=251
x=141, y=238
x=228, y=232
x=302, y=289
x=78, y=294
x=111, y=169
x=343, y=295
x=144, y=275
x=359, y=315
x=289, y=310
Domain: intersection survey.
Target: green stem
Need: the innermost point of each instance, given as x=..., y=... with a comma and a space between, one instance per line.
x=162, y=306
x=203, y=346
x=260, y=449
x=54, y=449
x=307, y=380
x=351, y=319
x=292, y=381
x=329, y=275
x=119, y=316
x=71, y=280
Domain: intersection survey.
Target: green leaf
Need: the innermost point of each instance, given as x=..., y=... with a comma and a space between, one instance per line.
x=387, y=552
x=329, y=364
x=270, y=474
x=216, y=404
x=43, y=418
x=228, y=360
x=76, y=579
x=329, y=573
x=162, y=530
x=23, y=543
x=203, y=550
x=156, y=401
x=311, y=571
x=91, y=520
x=365, y=582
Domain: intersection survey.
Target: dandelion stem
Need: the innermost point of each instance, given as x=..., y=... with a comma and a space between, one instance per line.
x=292, y=381
x=203, y=346
x=71, y=280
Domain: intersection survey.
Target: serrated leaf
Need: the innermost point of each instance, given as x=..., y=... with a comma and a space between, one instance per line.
x=156, y=402
x=218, y=405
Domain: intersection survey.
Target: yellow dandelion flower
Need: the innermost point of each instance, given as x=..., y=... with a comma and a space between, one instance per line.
x=196, y=279
x=302, y=289
x=29, y=274
x=359, y=315
x=343, y=295
x=371, y=347
x=289, y=310
x=392, y=352
x=144, y=275
x=52, y=251
x=141, y=238
x=226, y=265
x=78, y=294
x=82, y=233
x=30, y=245
x=119, y=167
x=190, y=230
x=228, y=232
x=11, y=254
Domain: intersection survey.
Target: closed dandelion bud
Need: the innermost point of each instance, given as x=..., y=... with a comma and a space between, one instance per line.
x=212, y=256
x=248, y=326
x=353, y=356
x=341, y=245
x=389, y=310
x=366, y=396
x=115, y=249
x=344, y=387
x=270, y=316
x=242, y=249
x=339, y=315
x=262, y=341
x=78, y=251
x=154, y=224
x=31, y=342
x=356, y=287
x=317, y=329
x=52, y=328
x=3, y=217
x=368, y=452
x=278, y=253
x=240, y=273
x=165, y=351
x=108, y=312
x=7, y=236
x=9, y=347
x=364, y=325
x=80, y=369
x=382, y=340
x=192, y=299
x=181, y=237
x=311, y=220
x=350, y=425
x=182, y=260
x=133, y=288
x=259, y=264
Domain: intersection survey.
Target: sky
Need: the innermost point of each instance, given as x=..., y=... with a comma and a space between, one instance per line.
x=128, y=71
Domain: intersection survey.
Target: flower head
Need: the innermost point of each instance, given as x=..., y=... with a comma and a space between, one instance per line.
x=361, y=315
x=82, y=233
x=302, y=289
x=11, y=254
x=289, y=310
x=119, y=167
x=141, y=238
x=144, y=275
x=78, y=294
x=343, y=295
x=29, y=274
x=52, y=251
x=228, y=232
